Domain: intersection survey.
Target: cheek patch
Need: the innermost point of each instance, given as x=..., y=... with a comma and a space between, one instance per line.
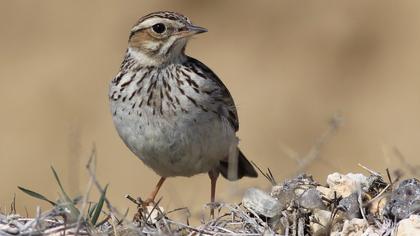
x=168, y=44
x=152, y=46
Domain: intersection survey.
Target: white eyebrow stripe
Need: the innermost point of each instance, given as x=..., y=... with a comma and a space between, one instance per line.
x=148, y=23
x=153, y=20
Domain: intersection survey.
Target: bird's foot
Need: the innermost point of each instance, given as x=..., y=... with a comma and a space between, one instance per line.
x=214, y=206
x=142, y=206
x=147, y=202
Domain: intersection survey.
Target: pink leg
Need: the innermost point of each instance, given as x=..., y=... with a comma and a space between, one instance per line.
x=152, y=197
x=213, y=174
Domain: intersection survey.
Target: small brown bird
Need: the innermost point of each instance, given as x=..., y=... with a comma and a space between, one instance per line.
x=171, y=110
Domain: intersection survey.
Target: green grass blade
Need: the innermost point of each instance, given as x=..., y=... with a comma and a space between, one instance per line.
x=91, y=210
x=67, y=198
x=36, y=195
x=68, y=203
x=98, y=208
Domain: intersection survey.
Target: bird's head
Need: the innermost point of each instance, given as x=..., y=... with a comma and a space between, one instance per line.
x=161, y=37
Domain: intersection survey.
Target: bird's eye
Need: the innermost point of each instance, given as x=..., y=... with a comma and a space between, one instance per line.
x=159, y=28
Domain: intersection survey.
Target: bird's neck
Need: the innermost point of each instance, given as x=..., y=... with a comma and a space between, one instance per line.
x=142, y=59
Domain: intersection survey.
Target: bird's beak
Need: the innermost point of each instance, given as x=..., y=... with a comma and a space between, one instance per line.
x=191, y=30
x=194, y=29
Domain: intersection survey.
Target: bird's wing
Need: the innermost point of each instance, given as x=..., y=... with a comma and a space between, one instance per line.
x=228, y=111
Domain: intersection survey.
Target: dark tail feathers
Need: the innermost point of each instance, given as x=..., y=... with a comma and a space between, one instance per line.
x=244, y=168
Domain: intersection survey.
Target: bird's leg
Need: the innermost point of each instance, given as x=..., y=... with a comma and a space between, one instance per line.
x=142, y=205
x=153, y=194
x=213, y=174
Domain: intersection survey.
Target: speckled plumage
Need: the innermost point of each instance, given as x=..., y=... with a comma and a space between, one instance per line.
x=171, y=110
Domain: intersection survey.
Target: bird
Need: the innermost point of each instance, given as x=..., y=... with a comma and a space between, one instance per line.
x=171, y=110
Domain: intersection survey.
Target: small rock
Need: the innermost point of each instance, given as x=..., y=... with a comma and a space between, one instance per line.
x=410, y=226
x=284, y=194
x=360, y=179
x=404, y=200
x=373, y=231
x=377, y=207
x=351, y=206
x=154, y=213
x=320, y=221
x=128, y=231
x=289, y=190
x=354, y=227
x=311, y=199
x=8, y=229
x=261, y=203
x=326, y=192
x=345, y=185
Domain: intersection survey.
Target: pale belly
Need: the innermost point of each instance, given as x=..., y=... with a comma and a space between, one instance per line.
x=178, y=145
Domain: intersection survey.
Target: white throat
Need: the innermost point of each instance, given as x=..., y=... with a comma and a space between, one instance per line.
x=142, y=58
x=176, y=54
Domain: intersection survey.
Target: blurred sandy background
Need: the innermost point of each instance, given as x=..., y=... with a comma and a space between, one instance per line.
x=289, y=66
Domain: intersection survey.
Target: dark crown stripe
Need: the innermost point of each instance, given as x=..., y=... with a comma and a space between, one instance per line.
x=160, y=14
